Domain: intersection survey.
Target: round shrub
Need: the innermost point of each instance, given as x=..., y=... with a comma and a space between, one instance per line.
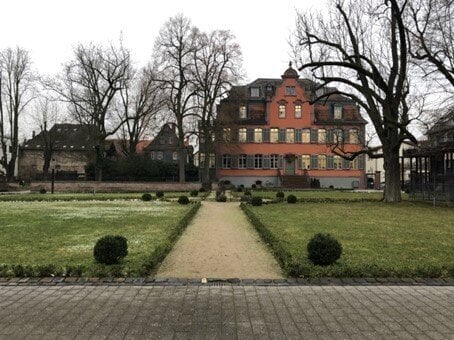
x=254, y=186
x=280, y=194
x=42, y=191
x=239, y=188
x=194, y=193
x=110, y=249
x=146, y=197
x=291, y=199
x=248, y=192
x=159, y=194
x=221, y=198
x=183, y=200
x=323, y=249
x=256, y=201
x=202, y=189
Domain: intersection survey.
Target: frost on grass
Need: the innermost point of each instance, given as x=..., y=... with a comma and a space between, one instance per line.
x=95, y=209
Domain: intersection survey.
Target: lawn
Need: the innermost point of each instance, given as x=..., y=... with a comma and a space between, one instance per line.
x=90, y=196
x=64, y=233
x=378, y=239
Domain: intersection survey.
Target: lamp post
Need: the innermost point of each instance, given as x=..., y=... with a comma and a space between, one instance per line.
x=53, y=163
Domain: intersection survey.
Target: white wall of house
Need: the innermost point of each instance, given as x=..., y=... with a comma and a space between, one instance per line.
x=2, y=169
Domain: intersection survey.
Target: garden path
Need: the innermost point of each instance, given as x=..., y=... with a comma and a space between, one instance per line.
x=220, y=243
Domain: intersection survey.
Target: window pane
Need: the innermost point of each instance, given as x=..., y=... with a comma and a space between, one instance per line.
x=242, y=161
x=321, y=161
x=226, y=161
x=258, y=161
x=227, y=135
x=306, y=136
x=353, y=136
x=290, y=90
x=242, y=135
x=337, y=164
x=274, y=159
x=305, y=162
x=281, y=111
x=290, y=136
x=258, y=135
x=337, y=112
x=242, y=112
x=297, y=111
x=255, y=92
x=321, y=135
x=274, y=135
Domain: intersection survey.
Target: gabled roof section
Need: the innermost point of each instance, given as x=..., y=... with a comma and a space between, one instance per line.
x=66, y=137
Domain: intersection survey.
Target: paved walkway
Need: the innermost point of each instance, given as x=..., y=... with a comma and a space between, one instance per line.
x=220, y=243
x=229, y=312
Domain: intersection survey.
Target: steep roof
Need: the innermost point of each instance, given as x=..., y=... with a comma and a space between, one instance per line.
x=66, y=137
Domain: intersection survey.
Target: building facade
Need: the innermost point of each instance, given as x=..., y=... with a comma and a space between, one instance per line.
x=164, y=147
x=272, y=136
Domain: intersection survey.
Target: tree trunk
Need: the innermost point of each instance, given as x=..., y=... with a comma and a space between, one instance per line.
x=181, y=163
x=98, y=163
x=392, y=177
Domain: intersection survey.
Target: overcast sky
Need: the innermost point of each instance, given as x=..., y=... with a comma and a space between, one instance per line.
x=51, y=28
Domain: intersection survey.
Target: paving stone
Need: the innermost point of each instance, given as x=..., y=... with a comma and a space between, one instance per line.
x=240, y=311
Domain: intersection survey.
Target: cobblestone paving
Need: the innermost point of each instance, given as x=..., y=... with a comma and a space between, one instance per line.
x=230, y=312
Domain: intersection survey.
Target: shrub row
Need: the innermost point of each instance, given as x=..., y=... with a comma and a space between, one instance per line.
x=301, y=267
x=18, y=270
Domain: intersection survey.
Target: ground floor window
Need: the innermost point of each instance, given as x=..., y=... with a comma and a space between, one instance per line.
x=258, y=161
x=242, y=161
x=305, y=162
x=226, y=161
x=321, y=161
x=274, y=161
x=337, y=162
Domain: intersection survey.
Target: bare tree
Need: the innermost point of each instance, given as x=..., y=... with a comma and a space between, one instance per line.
x=432, y=36
x=46, y=115
x=217, y=65
x=141, y=101
x=16, y=87
x=90, y=83
x=363, y=48
x=173, y=55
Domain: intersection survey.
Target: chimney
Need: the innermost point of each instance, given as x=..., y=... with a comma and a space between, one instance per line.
x=33, y=134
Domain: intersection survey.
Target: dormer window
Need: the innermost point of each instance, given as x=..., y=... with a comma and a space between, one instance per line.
x=242, y=112
x=337, y=111
x=255, y=92
x=290, y=91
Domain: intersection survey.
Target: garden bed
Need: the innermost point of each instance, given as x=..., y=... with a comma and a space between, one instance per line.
x=379, y=240
x=43, y=238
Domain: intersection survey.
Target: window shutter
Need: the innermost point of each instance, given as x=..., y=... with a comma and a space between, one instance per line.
x=281, y=135
x=250, y=161
x=280, y=162
x=266, y=135
x=346, y=136
x=314, y=136
x=250, y=135
x=219, y=161
x=298, y=133
x=361, y=162
x=314, y=161
x=266, y=162
x=234, y=161
x=330, y=136
x=345, y=163
x=298, y=162
x=234, y=135
x=329, y=162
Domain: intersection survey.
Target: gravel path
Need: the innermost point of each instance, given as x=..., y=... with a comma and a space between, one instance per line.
x=220, y=243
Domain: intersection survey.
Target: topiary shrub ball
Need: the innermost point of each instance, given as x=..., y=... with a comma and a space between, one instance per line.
x=110, y=249
x=183, y=200
x=159, y=194
x=42, y=191
x=291, y=199
x=202, y=189
x=256, y=201
x=194, y=193
x=323, y=249
x=146, y=197
x=280, y=194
